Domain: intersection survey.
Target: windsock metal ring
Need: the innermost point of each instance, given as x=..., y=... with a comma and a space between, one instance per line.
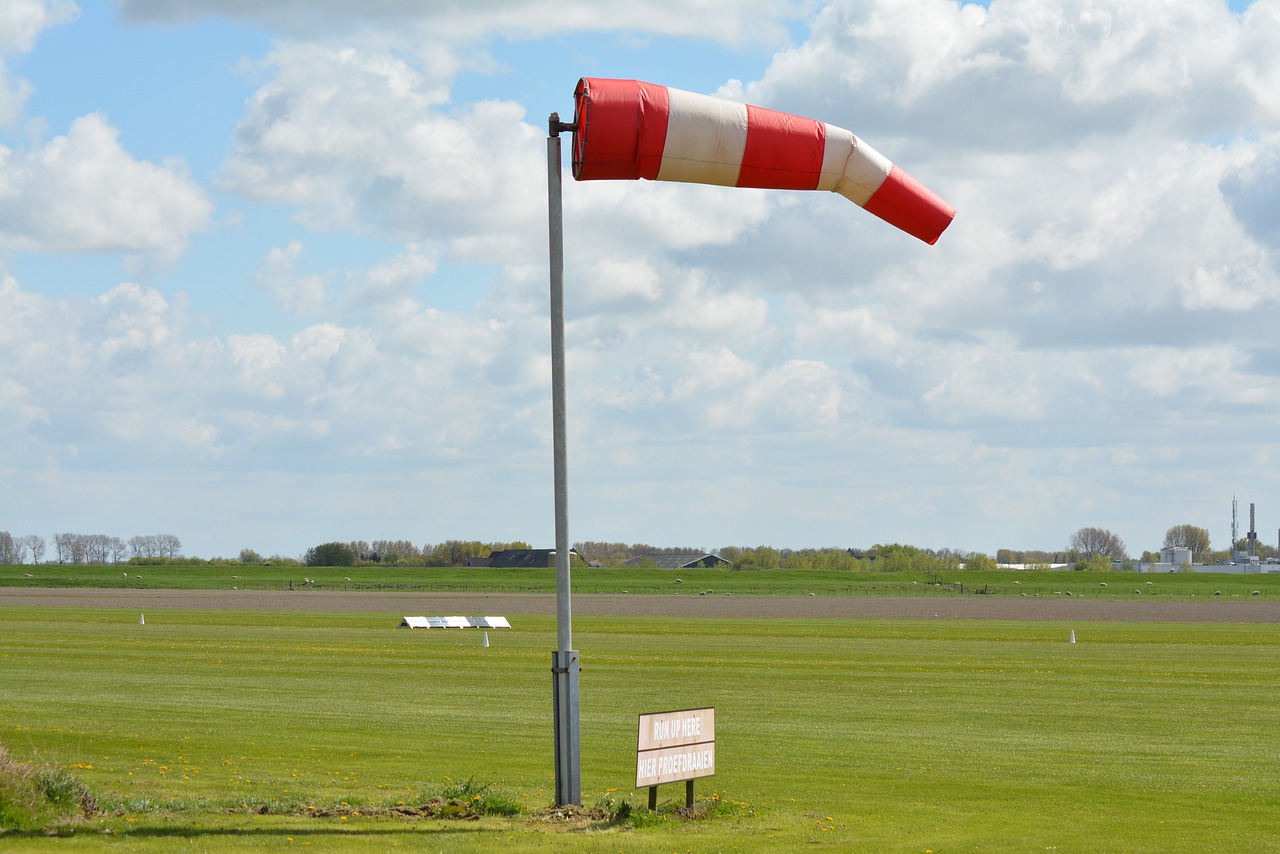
x=627, y=130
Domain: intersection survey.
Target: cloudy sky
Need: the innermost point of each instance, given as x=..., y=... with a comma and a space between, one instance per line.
x=275, y=274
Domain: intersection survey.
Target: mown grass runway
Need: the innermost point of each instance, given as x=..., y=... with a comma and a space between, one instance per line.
x=846, y=734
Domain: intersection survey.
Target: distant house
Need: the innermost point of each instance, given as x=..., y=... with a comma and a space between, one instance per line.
x=679, y=561
x=523, y=558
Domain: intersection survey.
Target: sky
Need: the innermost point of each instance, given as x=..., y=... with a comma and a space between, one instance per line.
x=275, y=274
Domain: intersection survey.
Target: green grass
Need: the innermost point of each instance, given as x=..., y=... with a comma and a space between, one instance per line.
x=791, y=582
x=851, y=735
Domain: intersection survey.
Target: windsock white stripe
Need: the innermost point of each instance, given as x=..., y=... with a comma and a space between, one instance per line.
x=850, y=167
x=705, y=139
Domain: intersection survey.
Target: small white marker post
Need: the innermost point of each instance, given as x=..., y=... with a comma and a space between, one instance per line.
x=142, y=619
x=486, y=640
x=1073, y=635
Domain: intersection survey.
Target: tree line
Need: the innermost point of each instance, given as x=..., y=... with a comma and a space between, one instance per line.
x=88, y=548
x=395, y=553
x=1089, y=547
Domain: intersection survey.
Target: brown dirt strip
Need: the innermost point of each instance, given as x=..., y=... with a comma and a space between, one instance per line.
x=613, y=605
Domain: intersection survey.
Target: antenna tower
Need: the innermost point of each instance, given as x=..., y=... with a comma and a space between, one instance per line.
x=1253, y=536
x=1235, y=531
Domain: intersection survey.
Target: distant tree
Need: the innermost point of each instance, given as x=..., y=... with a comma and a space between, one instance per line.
x=62, y=547
x=250, y=556
x=396, y=552
x=35, y=543
x=831, y=559
x=331, y=554
x=8, y=550
x=168, y=546
x=142, y=546
x=979, y=562
x=1096, y=563
x=1189, y=537
x=760, y=557
x=1092, y=542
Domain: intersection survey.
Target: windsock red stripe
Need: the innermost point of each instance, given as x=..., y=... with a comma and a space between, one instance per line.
x=783, y=152
x=627, y=120
x=626, y=129
x=911, y=206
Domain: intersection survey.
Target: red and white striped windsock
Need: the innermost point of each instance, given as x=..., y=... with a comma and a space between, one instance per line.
x=626, y=129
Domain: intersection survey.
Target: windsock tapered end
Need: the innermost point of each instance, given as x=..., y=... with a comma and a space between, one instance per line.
x=904, y=202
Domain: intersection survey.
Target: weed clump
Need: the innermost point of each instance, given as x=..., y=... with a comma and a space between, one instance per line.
x=40, y=797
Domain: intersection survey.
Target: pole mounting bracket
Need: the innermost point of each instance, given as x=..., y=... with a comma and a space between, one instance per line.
x=555, y=126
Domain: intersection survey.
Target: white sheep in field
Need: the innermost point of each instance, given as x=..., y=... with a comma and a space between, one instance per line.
x=1256, y=593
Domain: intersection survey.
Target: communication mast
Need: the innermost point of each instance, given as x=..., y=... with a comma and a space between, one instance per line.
x=1235, y=532
x=1253, y=536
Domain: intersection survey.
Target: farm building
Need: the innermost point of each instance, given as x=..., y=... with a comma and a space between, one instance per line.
x=522, y=558
x=678, y=561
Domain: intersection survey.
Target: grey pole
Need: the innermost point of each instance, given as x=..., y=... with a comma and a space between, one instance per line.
x=564, y=661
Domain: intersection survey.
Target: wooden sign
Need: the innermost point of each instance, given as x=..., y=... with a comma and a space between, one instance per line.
x=674, y=746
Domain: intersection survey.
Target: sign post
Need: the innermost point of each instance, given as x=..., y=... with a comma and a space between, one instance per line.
x=675, y=746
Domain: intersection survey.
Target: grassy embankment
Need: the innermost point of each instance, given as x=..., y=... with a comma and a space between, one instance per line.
x=791, y=582
x=856, y=735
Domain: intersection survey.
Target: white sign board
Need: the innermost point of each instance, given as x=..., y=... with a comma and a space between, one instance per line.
x=675, y=746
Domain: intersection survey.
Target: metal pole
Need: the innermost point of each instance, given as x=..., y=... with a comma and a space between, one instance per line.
x=564, y=661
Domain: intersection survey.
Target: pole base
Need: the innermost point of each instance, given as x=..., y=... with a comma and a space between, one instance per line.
x=568, y=744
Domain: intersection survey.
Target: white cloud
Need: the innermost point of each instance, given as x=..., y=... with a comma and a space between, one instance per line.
x=84, y=193
x=731, y=21
x=354, y=140
x=295, y=293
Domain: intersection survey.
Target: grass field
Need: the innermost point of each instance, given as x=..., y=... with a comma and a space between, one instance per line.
x=864, y=735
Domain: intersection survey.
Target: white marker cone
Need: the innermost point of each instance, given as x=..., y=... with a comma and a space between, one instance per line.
x=142, y=619
x=1073, y=635
x=486, y=640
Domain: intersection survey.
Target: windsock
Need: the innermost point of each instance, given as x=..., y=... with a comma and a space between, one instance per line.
x=626, y=130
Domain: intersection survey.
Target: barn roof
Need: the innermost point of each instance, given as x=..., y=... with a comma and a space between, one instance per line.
x=678, y=561
x=524, y=557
